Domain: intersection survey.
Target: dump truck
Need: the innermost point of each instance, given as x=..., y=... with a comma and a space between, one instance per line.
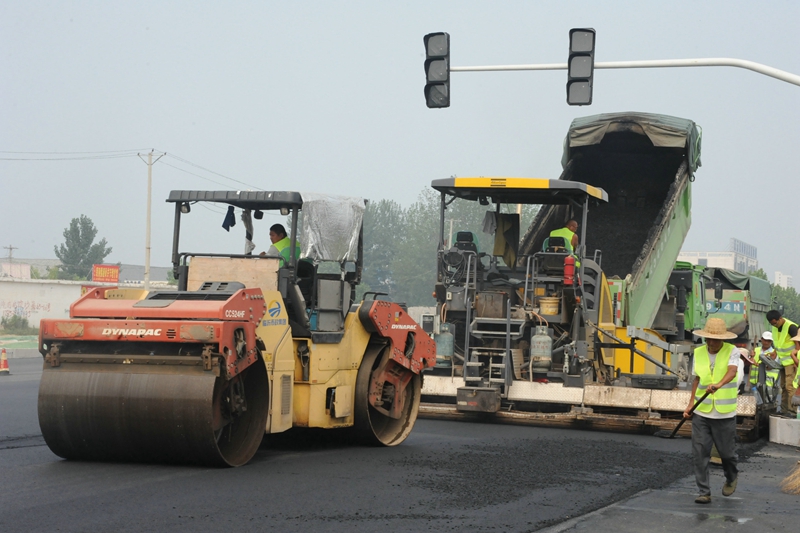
x=743, y=304
x=245, y=346
x=597, y=336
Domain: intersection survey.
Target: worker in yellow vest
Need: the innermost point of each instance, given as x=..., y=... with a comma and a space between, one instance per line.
x=783, y=330
x=765, y=350
x=570, y=236
x=281, y=245
x=715, y=367
x=795, y=400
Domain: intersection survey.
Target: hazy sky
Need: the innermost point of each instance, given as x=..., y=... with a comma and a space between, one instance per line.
x=327, y=97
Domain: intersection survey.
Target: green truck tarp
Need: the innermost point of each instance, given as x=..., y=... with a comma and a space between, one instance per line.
x=662, y=130
x=760, y=290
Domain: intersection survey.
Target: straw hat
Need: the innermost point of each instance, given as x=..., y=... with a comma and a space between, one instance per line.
x=744, y=354
x=715, y=329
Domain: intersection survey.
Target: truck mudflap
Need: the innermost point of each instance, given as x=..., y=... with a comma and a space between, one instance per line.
x=601, y=407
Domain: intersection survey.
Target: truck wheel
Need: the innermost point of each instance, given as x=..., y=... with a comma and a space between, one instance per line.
x=373, y=427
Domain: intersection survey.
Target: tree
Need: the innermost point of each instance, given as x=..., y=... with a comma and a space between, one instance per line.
x=400, y=244
x=384, y=229
x=79, y=251
x=49, y=273
x=414, y=265
x=786, y=297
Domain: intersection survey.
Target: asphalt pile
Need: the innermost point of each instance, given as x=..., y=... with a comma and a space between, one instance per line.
x=637, y=187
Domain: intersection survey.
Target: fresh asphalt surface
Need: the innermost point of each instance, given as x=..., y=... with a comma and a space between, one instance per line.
x=447, y=476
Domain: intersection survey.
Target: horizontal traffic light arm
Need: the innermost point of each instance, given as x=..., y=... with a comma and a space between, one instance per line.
x=659, y=63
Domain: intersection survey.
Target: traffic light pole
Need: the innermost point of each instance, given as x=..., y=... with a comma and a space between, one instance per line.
x=782, y=75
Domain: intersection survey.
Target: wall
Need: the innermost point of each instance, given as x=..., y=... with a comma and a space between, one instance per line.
x=36, y=299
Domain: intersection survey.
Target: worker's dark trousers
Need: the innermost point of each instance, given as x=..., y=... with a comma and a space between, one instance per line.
x=788, y=373
x=722, y=433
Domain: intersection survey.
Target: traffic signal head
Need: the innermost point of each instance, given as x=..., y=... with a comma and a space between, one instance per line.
x=580, y=67
x=437, y=69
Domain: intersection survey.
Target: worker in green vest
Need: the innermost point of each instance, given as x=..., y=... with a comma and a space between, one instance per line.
x=281, y=245
x=795, y=400
x=782, y=332
x=715, y=366
x=569, y=234
x=765, y=350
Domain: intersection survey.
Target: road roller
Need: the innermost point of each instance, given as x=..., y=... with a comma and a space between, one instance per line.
x=245, y=345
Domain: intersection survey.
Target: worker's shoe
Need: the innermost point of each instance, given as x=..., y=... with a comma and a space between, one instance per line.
x=703, y=498
x=729, y=488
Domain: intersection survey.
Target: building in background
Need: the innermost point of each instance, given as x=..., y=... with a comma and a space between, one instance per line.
x=783, y=280
x=741, y=257
x=15, y=270
x=135, y=273
x=18, y=268
x=22, y=294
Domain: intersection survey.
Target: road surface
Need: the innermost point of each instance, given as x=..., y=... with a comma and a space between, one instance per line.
x=447, y=476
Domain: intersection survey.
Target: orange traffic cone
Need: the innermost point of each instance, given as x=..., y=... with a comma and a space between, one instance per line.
x=3, y=363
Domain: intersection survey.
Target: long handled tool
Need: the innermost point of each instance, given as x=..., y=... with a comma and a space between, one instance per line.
x=664, y=435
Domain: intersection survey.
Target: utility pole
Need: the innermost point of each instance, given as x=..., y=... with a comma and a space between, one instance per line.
x=150, y=163
x=10, y=252
x=10, y=249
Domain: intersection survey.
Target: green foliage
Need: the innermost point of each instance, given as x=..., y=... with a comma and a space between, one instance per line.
x=400, y=245
x=50, y=273
x=788, y=298
x=171, y=278
x=79, y=251
x=17, y=325
x=414, y=267
x=384, y=231
x=790, y=301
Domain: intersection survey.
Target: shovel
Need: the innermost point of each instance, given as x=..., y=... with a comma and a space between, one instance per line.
x=664, y=434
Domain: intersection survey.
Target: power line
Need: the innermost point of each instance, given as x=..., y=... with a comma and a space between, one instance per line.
x=211, y=171
x=192, y=173
x=76, y=153
x=76, y=158
x=117, y=154
x=212, y=208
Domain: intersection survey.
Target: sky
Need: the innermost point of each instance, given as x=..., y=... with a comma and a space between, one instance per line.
x=328, y=97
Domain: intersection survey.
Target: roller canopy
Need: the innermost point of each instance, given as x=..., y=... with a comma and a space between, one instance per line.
x=264, y=200
x=331, y=225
